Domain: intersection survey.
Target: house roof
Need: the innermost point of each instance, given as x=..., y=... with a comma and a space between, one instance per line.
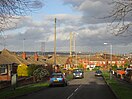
x=96, y=58
x=9, y=57
x=4, y=60
x=59, y=60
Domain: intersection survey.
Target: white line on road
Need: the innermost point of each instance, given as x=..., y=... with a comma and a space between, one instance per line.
x=70, y=96
x=74, y=92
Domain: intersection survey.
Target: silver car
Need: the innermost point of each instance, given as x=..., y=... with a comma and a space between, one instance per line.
x=98, y=73
x=78, y=73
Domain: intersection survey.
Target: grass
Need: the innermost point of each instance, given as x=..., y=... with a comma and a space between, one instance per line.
x=10, y=92
x=123, y=91
x=69, y=77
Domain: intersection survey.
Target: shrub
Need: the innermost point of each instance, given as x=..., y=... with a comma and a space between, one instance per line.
x=40, y=73
x=31, y=69
x=22, y=70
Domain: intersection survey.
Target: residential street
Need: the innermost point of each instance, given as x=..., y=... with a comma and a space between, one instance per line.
x=90, y=87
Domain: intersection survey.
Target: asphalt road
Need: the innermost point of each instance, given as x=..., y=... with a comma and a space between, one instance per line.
x=90, y=87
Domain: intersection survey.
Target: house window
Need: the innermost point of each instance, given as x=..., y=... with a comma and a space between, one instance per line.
x=3, y=69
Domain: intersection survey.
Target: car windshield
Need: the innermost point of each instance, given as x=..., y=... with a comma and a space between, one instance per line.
x=77, y=71
x=98, y=71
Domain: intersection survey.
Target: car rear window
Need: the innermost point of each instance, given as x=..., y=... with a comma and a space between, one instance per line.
x=57, y=75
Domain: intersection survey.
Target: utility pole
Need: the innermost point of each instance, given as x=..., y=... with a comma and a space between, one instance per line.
x=43, y=48
x=75, y=48
x=71, y=36
x=55, y=44
x=74, y=35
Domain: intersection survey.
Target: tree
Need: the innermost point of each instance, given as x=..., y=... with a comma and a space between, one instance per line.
x=12, y=9
x=121, y=17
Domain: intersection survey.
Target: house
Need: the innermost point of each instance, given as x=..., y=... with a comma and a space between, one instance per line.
x=9, y=63
x=101, y=60
x=5, y=68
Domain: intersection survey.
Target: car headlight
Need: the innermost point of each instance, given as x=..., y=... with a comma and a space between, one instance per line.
x=74, y=74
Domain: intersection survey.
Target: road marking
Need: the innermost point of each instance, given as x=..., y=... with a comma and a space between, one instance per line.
x=74, y=92
x=70, y=96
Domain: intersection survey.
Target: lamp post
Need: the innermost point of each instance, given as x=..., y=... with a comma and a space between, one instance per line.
x=110, y=58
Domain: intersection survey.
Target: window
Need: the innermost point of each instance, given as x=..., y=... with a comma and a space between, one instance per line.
x=3, y=69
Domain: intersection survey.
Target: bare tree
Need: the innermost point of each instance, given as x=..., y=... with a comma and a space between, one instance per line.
x=11, y=9
x=121, y=16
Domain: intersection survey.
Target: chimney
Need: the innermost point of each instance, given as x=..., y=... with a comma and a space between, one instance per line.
x=24, y=55
x=36, y=57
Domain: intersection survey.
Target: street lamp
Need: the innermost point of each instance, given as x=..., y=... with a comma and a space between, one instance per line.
x=110, y=57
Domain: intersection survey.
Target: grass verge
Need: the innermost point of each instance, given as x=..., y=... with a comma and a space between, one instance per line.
x=10, y=92
x=123, y=91
x=69, y=77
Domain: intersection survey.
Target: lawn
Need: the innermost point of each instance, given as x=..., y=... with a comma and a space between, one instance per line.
x=122, y=90
x=10, y=92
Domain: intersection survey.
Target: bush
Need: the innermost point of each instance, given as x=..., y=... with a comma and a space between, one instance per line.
x=114, y=67
x=22, y=70
x=40, y=73
x=31, y=69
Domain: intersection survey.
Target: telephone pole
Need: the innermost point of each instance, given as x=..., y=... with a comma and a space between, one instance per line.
x=55, y=44
x=43, y=48
x=71, y=38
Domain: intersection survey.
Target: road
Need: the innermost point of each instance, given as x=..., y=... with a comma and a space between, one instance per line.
x=90, y=87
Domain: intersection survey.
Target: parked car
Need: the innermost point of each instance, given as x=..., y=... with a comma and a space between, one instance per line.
x=98, y=73
x=128, y=70
x=58, y=79
x=128, y=75
x=78, y=73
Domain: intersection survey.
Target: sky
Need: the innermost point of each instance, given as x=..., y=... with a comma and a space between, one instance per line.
x=85, y=18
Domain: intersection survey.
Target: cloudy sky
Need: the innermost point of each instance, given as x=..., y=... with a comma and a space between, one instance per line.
x=81, y=17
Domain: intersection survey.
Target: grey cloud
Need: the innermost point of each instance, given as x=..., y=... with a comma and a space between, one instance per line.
x=90, y=35
x=93, y=10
